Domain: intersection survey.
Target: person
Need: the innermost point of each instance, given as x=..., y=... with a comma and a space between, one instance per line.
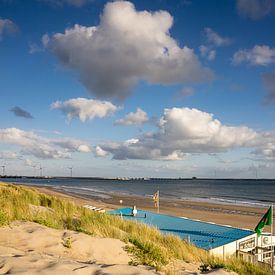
x=145, y=216
x=134, y=211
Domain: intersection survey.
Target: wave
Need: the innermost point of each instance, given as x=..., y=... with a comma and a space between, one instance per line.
x=232, y=201
x=83, y=191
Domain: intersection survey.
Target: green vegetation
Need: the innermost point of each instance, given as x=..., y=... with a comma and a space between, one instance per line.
x=67, y=242
x=147, y=245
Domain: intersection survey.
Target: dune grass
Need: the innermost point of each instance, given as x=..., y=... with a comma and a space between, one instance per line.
x=147, y=245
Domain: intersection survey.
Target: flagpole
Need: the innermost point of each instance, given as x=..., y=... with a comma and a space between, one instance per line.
x=272, y=247
x=158, y=201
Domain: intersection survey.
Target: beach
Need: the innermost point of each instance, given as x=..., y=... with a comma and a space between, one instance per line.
x=30, y=248
x=245, y=217
x=44, y=236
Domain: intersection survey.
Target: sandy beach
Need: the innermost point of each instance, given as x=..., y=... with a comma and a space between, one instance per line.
x=234, y=215
x=29, y=248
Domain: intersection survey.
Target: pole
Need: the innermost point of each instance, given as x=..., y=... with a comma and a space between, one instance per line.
x=71, y=171
x=158, y=201
x=272, y=247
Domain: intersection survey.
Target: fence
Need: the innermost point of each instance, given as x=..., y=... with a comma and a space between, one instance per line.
x=254, y=258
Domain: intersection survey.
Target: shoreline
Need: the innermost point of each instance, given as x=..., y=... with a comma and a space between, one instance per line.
x=245, y=217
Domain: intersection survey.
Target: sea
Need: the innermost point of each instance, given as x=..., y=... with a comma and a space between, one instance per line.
x=248, y=192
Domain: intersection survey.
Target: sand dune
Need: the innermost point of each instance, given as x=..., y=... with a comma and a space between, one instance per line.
x=29, y=248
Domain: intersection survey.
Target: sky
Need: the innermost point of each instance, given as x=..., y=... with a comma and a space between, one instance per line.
x=137, y=89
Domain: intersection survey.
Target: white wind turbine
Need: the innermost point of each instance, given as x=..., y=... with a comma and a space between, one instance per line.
x=71, y=170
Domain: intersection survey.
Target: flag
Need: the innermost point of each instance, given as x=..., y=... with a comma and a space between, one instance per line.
x=266, y=220
x=156, y=199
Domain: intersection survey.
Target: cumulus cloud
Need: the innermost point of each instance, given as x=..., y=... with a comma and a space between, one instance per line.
x=99, y=152
x=84, y=148
x=267, y=153
x=183, y=131
x=7, y=27
x=111, y=58
x=29, y=162
x=269, y=82
x=60, y=3
x=17, y=111
x=8, y=155
x=266, y=150
x=215, y=39
x=207, y=52
x=41, y=147
x=134, y=118
x=85, y=109
x=258, y=55
x=255, y=9
x=34, y=48
x=72, y=145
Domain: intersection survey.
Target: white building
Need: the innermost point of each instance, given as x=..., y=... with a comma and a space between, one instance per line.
x=251, y=248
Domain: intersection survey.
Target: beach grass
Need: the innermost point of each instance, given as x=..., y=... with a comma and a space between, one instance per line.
x=147, y=245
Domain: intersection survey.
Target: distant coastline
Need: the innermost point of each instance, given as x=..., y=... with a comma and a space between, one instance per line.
x=241, y=192
x=129, y=178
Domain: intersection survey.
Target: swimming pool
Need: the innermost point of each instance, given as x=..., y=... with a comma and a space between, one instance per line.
x=201, y=234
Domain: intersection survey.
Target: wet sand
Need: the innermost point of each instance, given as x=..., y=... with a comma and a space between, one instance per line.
x=234, y=215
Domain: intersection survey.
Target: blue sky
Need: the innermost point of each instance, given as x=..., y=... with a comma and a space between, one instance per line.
x=143, y=88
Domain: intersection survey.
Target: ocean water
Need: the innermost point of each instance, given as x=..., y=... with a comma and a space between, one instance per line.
x=260, y=193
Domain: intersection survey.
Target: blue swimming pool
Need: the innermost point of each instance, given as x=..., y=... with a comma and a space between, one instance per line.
x=201, y=234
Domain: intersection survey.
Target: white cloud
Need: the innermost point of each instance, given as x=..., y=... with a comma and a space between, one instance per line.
x=134, y=118
x=99, y=152
x=41, y=147
x=72, y=145
x=215, y=39
x=8, y=155
x=84, y=148
x=112, y=57
x=183, y=131
x=211, y=55
x=31, y=163
x=269, y=82
x=85, y=109
x=207, y=52
x=204, y=50
x=255, y=9
x=7, y=27
x=266, y=149
x=34, y=48
x=258, y=55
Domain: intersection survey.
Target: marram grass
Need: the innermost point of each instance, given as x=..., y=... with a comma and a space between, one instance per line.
x=146, y=244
